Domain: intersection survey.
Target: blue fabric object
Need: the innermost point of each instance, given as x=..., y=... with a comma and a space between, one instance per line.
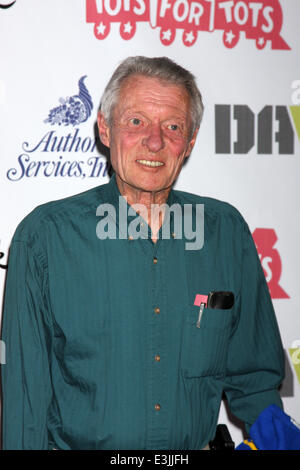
x=273, y=430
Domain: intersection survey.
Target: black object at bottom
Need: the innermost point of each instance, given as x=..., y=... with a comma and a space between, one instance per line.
x=222, y=439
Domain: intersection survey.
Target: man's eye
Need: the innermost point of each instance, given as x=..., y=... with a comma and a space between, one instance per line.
x=135, y=121
x=173, y=127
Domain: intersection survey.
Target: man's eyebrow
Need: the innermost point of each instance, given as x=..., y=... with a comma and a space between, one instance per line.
x=132, y=110
x=180, y=119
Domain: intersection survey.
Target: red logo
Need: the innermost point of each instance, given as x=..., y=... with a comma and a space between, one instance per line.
x=259, y=20
x=265, y=239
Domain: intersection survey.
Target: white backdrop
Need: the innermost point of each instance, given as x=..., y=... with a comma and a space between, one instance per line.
x=248, y=149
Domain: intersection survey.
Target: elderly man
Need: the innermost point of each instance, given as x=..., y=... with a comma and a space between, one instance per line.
x=129, y=342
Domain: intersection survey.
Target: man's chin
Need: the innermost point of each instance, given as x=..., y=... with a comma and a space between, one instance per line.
x=150, y=188
x=143, y=186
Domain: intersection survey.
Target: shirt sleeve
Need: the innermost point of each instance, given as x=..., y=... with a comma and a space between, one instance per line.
x=255, y=366
x=26, y=383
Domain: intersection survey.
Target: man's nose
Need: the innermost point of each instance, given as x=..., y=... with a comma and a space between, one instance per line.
x=154, y=140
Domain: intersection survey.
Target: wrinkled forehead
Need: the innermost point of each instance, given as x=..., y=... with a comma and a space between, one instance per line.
x=129, y=83
x=138, y=89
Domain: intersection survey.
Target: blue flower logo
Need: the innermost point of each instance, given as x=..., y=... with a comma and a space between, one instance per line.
x=72, y=110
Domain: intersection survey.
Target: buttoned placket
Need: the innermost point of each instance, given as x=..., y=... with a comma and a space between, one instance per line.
x=159, y=433
x=157, y=373
x=157, y=403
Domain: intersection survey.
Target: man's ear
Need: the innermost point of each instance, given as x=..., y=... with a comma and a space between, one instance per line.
x=104, y=131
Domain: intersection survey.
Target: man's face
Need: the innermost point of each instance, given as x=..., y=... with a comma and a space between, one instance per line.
x=150, y=135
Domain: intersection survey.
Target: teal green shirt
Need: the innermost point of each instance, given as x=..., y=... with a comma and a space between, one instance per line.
x=102, y=348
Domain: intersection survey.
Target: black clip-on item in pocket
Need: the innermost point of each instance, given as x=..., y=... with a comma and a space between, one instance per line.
x=221, y=300
x=217, y=299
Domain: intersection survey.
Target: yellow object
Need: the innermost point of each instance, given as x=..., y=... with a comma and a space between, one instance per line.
x=250, y=444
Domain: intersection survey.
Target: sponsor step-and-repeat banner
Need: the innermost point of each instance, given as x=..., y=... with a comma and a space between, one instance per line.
x=56, y=58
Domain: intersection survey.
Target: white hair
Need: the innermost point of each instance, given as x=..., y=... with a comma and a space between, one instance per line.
x=161, y=68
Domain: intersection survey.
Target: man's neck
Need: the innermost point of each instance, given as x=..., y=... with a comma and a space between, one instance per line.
x=146, y=204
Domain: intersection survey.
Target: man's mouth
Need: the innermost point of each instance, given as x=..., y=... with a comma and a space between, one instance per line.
x=150, y=163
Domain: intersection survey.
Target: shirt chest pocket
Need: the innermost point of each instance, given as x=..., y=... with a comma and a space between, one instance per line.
x=204, y=349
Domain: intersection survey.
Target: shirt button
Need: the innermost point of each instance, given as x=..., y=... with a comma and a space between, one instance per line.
x=157, y=310
x=155, y=260
x=157, y=358
x=157, y=406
